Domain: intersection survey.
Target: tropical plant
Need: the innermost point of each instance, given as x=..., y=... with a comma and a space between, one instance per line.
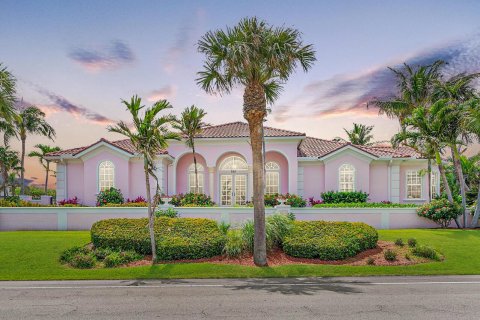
x=190, y=124
x=260, y=58
x=7, y=94
x=40, y=154
x=30, y=120
x=109, y=196
x=149, y=135
x=10, y=165
x=359, y=134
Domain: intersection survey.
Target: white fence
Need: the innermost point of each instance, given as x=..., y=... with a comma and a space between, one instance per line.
x=82, y=218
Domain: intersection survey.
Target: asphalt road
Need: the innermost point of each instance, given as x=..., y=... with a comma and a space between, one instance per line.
x=321, y=298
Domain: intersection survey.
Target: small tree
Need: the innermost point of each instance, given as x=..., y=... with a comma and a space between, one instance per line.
x=10, y=165
x=40, y=154
x=359, y=134
x=149, y=136
x=190, y=124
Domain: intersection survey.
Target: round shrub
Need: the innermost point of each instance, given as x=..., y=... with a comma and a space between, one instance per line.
x=83, y=261
x=412, y=242
x=68, y=255
x=177, y=238
x=293, y=200
x=440, y=211
x=390, y=255
x=116, y=258
x=399, y=242
x=329, y=240
x=111, y=195
x=426, y=252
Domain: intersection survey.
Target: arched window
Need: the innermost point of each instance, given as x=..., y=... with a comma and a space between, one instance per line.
x=106, y=175
x=272, y=178
x=346, y=178
x=233, y=163
x=191, y=178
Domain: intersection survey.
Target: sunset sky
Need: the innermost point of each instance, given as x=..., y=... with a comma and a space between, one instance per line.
x=76, y=60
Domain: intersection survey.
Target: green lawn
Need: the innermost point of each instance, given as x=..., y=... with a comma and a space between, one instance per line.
x=34, y=256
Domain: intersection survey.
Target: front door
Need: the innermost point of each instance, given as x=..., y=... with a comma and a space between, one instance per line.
x=233, y=189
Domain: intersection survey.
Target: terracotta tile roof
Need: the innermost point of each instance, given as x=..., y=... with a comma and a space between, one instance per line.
x=124, y=145
x=240, y=130
x=314, y=147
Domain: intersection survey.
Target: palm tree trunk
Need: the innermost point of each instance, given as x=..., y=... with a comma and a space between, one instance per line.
x=448, y=191
x=151, y=218
x=195, y=167
x=461, y=180
x=46, y=177
x=476, y=215
x=254, y=111
x=22, y=170
x=429, y=173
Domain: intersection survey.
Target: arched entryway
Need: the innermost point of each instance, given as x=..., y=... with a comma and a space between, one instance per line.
x=233, y=175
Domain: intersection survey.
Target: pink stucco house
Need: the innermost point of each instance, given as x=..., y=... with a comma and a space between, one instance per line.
x=295, y=163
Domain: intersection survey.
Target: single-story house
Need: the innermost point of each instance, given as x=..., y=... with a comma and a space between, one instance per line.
x=295, y=163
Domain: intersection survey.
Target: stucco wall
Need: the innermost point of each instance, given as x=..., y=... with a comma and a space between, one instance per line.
x=75, y=180
x=182, y=172
x=362, y=170
x=379, y=181
x=313, y=180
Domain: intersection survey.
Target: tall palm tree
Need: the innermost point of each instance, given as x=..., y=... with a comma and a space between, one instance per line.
x=360, y=134
x=260, y=58
x=30, y=120
x=43, y=149
x=7, y=93
x=149, y=135
x=10, y=162
x=190, y=124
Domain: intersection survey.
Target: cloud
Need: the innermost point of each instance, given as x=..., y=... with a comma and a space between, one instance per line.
x=113, y=56
x=349, y=94
x=166, y=92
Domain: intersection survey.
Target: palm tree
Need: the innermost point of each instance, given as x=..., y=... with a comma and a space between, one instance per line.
x=7, y=93
x=360, y=134
x=260, y=58
x=40, y=154
x=10, y=161
x=30, y=120
x=149, y=136
x=190, y=124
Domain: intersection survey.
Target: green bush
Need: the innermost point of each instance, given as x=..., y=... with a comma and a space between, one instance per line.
x=329, y=240
x=234, y=244
x=224, y=227
x=291, y=199
x=83, y=261
x=344, y=197
x=277, y=226
x=412, y=242
x=248, y=232
x=399, y=242
x=177, y=238
x=169, y=213
x=365, y=205
x=440, y=211
x=426, y=252
x=112, y=196
x=390, y=255
x=115, y=258
x=68, y=255
x=192, y=200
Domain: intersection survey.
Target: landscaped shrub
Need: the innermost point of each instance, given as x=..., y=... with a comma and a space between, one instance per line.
x=440, y=211
x=21, y=203
x=277, y=226
x=399, y=242
x=138, y=199
x=426, y=252
x=248, y=231
x=177, y=238
x=83, y=261
x=116, y=258
x=192, y=200
x=111, y=195
x=169, y=213
x=366, y=205
x=390, y=255
x=234, y=244
x=293, y=200
x=313, y=202
x=224, y=227
x=412, y=242
x=329, y=240
x=127, y=204
x=69, y=202
x=344, y=197
x=68, y=255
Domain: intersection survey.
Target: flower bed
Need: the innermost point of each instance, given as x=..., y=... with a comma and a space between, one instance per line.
x=365, y=205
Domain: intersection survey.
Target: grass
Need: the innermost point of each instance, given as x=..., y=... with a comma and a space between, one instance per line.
x=33, y=255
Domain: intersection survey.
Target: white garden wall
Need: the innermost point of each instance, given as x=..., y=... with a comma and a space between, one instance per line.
x=82, y=218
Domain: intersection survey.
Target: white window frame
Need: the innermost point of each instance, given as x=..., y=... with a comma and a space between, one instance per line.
x=191, y=178
x=352, y=171
x=101, y=183
x=418, y=183
x=243, y=164
x=434, y=189
x=272, y=172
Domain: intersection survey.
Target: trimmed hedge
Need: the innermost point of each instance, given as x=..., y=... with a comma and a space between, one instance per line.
x=177, y=238
x=344, y=197
x=329, y=240
x=365, y=205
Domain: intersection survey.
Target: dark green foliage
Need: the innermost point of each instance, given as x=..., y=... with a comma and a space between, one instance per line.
x=426, y=252
x=169, y=213
x=440, y=211
x=116, y=258
x=177, y=238
x=234, y=245
x=291, y=199
x=83, y=261
x=192, y=200
x=344, y=197
x=248, y=232
x=277, y=227
x=365, y=205
x=111, y=195
x=390, y=255
x=224, y=227
x=412, y=242
x=329, y=240
x=399, y=242
x=67, y=255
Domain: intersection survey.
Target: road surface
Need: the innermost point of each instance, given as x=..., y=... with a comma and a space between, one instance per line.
x=320, y=298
